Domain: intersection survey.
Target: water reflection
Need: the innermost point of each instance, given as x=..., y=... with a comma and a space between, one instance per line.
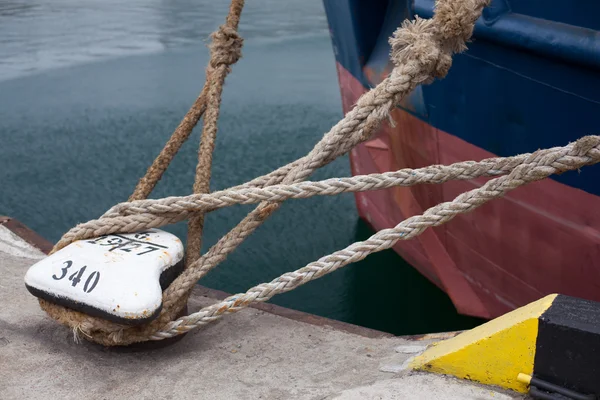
x=40, y=35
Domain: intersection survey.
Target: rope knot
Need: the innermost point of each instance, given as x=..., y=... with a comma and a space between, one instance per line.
x=456, y=21
x=418, y=41
x=431, y=43
x=226, y=46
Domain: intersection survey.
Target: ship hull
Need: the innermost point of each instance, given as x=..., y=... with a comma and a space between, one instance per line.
x=540, y=239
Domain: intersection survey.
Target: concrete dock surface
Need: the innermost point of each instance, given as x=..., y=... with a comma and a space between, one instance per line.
x=253, y=354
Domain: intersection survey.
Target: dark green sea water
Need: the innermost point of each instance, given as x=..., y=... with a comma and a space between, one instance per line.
x=90, y=91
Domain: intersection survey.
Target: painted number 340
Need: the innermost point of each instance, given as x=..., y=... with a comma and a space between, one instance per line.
x=75, y=277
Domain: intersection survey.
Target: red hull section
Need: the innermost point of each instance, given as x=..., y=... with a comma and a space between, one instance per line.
x=540, y=239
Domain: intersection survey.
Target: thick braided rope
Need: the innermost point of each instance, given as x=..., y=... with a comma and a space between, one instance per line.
x=226, y=50
x=435, y=174
x=421, y=50
x=560, y=159
x=537, y=166
x=144, y=214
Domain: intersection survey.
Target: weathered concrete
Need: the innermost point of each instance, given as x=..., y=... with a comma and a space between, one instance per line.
x=413, y=386
x=13, y=245
x=251, y=355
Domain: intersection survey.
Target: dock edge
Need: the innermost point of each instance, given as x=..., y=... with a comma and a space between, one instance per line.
x=555, y=339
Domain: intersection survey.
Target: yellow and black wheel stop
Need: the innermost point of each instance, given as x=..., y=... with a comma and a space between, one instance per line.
x=554, y=341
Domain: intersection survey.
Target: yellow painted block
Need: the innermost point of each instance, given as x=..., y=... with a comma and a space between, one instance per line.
x=493, y=353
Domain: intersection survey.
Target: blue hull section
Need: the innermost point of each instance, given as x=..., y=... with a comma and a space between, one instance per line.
x=530, y=79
